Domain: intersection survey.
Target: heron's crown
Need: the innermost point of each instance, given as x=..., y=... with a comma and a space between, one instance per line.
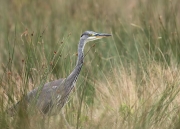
x=91, y=35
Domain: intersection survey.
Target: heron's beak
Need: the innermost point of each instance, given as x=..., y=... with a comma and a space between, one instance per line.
x=101, y=35
x=96, y=36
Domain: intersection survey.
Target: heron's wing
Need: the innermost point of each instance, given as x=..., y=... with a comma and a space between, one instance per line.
x=48, y=87
x=49, y=95
x=41, y=96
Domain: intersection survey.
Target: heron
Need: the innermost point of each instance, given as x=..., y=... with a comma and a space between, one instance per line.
x=53, y=95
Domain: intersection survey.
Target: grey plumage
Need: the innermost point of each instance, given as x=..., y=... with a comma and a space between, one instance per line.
x=53, y=95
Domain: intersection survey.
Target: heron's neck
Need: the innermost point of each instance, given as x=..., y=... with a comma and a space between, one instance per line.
x=80, y=53
x=72, y=78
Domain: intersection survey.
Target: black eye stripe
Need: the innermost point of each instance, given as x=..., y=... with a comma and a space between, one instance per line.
x=86, y=34
x=89, y=34
x=83, y=34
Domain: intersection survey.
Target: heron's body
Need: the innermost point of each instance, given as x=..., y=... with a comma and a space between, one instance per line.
x=49, y=96
x=53, y=95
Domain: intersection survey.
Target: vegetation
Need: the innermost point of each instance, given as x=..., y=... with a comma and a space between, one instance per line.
x=128, y=81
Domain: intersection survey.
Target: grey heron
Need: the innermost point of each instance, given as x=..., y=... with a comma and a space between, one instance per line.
x=53, y=95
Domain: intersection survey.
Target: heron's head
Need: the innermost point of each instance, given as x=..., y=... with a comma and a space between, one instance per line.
x=91, y=36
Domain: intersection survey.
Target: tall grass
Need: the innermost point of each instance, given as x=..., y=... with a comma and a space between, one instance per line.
x=128, y=81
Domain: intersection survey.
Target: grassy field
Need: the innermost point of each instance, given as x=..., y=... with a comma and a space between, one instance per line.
x=128, y=81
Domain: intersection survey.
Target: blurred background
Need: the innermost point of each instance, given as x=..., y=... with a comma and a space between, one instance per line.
x=130, y=80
